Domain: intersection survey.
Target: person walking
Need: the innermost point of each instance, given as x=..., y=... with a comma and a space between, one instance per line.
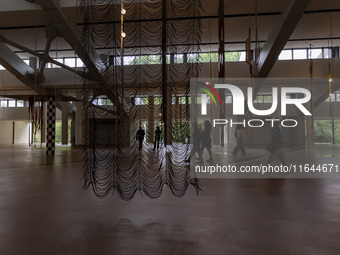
x=140, y=137
x=206, y=140
x=196, y=143
x=239, y=134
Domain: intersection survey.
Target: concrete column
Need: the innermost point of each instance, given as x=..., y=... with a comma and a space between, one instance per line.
x=151, y=119
x=310, y=119
x=73, y=130
x=78, y=125
x=43, y=128
x=168, y=124
x=50, y=139
x=64, y=123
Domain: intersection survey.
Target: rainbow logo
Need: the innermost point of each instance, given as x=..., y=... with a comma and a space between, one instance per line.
x=205, y=89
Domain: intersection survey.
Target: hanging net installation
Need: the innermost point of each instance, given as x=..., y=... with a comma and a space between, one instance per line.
x=144, y=53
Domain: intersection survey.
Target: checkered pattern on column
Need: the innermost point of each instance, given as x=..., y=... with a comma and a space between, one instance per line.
x=50, y=138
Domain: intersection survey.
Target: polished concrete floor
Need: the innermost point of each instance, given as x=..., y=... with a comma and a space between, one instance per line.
x=43, y=210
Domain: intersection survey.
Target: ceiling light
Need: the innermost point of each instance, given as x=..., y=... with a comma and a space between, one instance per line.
x=123, y=11
x=123, y=34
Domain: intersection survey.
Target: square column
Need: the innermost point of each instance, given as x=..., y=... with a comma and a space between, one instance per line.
x=50, y=138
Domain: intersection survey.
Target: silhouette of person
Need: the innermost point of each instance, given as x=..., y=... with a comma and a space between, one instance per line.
x=274, y=147
x=158, y=133
x=239, y=133
x=140, y=137
x=196, y=144
x=206, y=140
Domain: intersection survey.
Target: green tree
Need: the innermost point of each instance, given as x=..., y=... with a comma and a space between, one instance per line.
x=323, y=131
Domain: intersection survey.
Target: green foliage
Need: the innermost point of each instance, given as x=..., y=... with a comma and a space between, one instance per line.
x=58, y=132
x=337, y=131
x=323, y=131
x=147, y=60
x=231, y=56
x=105, y=101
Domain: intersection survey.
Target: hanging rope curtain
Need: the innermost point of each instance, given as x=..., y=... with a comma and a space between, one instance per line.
x=132, y=95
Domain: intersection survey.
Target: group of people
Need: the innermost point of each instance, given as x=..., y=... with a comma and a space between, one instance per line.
x=140, y=137
x=274, y=146
x=201, y=140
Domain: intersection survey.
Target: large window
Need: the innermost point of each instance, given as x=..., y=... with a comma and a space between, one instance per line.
x=323, y=131
x=300, y=54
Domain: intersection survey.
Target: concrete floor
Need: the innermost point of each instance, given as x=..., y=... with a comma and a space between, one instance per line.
x=43, y=210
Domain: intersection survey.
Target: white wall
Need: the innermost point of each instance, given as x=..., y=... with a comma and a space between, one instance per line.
x=21, y=132
x=6, y=132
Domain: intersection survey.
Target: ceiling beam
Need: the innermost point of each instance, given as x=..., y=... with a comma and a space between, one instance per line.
x=321, y=93
x=68, y=30
x=279, y=36
x=16, y=66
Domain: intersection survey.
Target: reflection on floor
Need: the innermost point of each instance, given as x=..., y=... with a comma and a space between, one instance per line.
x=43, y=210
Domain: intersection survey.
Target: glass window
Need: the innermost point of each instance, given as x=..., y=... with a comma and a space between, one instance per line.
x=20, y=103
x=79, y=63
x=300, y=54
x=259, y=99
x=2, y=68
x=267, y=99
x=3, y=103
x=173, y=100
x=338, y=97
x=332, y=96
x=285, y=55
x=337, y=131
x=323, y=131
x=192, y=58
x=157, y=100
x=179, y=58
x=207, y=57
x=231, y=56
x=128, y=60
x=327, y=53
x=141, y=101
x=242, y=56
x=27, y=61
x=11, y=103
x=315, y=53
x=71, y=62
x=228, y=99
x=183, y=100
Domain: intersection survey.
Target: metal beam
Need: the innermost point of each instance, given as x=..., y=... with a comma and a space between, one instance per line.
x=68, y=30
x=322, y=93
x=279, y=36
x=16, y=66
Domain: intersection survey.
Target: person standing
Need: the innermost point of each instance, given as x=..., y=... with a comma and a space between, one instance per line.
x=140, y=137
x=158, y=133
x=239, y=133
x=206, y=140
x=274, y=147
